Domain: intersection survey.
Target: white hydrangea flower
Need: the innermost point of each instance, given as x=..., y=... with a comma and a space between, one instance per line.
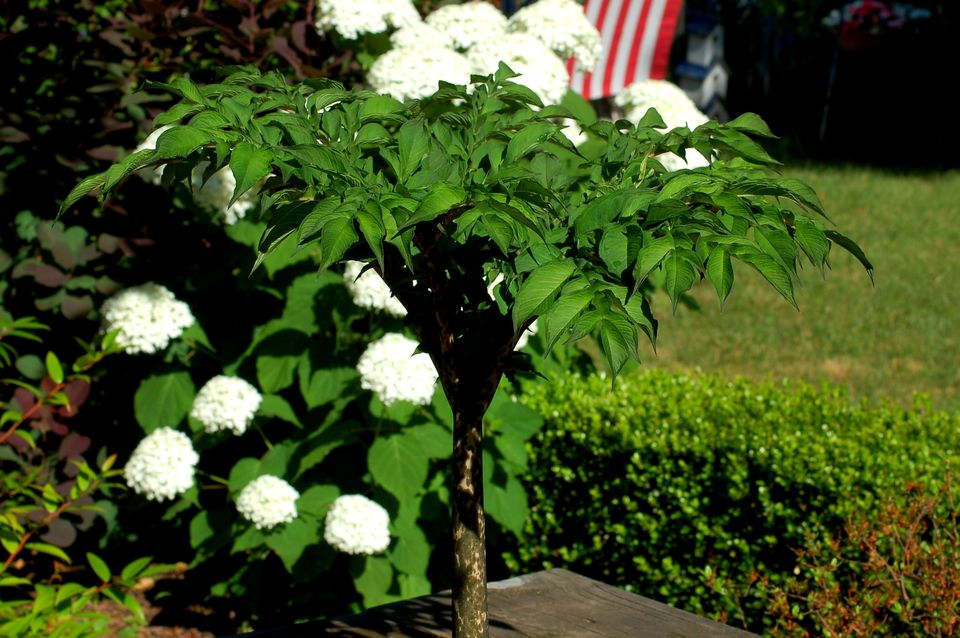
x=215, y=193
x=525, y=337
x=571, y=128
x=540, y=69
x=672, y=103
x=416, y=35
x=152, y=175
x=394, y=373
x=268, y=501
x=357, y=525
x=353, y=18
x=148, y=317
x=674, y=106
x=226, y=403
x=370, y=291
x=562, y=26
x=413, y=72
x=162, y=465
x=468, y=23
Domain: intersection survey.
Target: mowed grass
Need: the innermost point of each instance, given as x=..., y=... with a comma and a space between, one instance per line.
x=888, y=341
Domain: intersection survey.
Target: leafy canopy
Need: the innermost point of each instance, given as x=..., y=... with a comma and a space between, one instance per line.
x=470, y=186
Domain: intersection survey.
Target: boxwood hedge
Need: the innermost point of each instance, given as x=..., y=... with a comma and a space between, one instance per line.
x=688, y=489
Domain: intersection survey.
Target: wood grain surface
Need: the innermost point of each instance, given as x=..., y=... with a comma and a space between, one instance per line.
x=549, y=604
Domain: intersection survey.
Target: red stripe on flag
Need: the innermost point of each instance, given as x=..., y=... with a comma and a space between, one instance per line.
x=630, y=76
x=588, y=76
x=614, y=51
x=668, y=26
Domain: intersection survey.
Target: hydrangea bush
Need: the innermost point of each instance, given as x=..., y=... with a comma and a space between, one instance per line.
x=444, y=195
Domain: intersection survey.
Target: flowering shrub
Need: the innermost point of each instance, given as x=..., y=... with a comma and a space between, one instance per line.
x=357, y=525
x=893, y=574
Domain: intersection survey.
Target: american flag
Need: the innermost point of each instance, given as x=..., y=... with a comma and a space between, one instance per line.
x=636, y=36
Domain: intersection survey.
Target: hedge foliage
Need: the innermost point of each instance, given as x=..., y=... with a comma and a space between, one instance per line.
x=691, y=488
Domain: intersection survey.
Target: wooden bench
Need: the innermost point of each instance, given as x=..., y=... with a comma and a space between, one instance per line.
x=549, y=604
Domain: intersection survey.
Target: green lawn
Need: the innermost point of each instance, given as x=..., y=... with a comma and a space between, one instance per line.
x=891, y=340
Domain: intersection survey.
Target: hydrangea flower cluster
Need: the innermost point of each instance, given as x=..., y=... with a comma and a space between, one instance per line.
x=226, y=403
x=390, y=369
x=148, y=318
x=539, y=67
x=674, y=106
x=370, y=291
x=357, y=525
x=468, y=23
x=563, y=27
x=268, y=501
x=456, y=40
x=353, y=18
x=162, y=465
x=214, y=194
x=410, y=72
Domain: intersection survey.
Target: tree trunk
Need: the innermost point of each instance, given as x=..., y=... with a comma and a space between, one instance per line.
x=469, y=536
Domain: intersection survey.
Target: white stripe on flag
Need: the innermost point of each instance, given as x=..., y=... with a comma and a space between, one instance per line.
x=648, y=45
x=592, y=9
x=607, y=31
x=621, y=56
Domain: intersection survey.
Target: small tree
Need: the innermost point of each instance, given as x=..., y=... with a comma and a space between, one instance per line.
x=445, y=195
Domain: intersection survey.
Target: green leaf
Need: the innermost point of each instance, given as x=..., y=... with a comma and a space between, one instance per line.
x=812, y=240
x=52, y=550
x=527, y=139
x=374, y=581
x=720, y=272
x=540, y=287
x=751, y=123
x=618, y=341
x=243, y=471
x=561, y=315
x=678, y=275
x=133, y=605
x=163, y=400
x=313, y=223
x=133, y=162
x=180, y=141
x=249, y=165
x=337, y=237
x=851, y=247
x=613, y=249
x=434, y=440
x=413, y=143
x=411, y=551
x=506, y=505
x=398, y=465
x=326, y=384
x=274, y=373
x=83, y=188
x=375, y=107
x=133, y=569
x=99, y=567
x=441, y=198
x=802, y=194
x=650, y=256
x=372, y=134
x=290, y=540
x=772, y=271
x=317, y=499
x=273, y=405
x=54, y=369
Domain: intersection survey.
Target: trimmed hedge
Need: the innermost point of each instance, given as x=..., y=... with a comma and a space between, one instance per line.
x=690, y=488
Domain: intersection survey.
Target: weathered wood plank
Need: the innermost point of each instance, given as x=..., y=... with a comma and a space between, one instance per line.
x=550, y=604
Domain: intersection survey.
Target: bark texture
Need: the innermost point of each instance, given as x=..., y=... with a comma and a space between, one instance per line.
x=469, y=536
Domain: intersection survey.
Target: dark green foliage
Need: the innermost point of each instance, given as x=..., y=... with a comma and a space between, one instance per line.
x=688, y=489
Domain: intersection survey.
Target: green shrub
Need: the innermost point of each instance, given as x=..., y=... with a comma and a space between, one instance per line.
x=691, y=488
